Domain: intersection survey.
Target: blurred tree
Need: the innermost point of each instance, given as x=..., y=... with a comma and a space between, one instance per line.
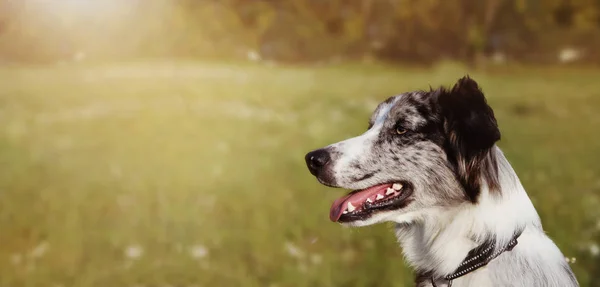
x=419, y=31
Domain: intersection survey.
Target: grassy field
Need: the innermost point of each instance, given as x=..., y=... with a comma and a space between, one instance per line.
x=192, y=174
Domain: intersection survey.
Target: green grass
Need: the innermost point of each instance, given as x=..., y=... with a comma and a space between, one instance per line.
x=192, y=174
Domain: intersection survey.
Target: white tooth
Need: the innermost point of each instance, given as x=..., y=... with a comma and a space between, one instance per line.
x=369, y=200
x=351, y=207
x=378, y=197
x=345, y=212
x=389, y=191
x=397, y=186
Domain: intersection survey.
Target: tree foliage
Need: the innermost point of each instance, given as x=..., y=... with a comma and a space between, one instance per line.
x=421, y=31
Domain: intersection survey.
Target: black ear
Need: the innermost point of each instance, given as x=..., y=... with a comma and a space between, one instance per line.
x=471, y=132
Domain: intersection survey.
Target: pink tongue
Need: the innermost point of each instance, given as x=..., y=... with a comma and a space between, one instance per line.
x=357, y=199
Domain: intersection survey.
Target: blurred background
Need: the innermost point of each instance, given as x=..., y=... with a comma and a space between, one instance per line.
x=161, y=142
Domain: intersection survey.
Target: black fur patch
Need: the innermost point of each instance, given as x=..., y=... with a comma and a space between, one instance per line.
x=471, y=132
x=423, y=279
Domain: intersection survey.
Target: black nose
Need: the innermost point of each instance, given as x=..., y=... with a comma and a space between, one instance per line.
x=316, y=160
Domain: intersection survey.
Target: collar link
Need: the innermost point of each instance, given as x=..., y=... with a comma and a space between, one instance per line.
x=477, y=258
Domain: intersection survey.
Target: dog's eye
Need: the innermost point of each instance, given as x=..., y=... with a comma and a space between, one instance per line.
x=400, y=131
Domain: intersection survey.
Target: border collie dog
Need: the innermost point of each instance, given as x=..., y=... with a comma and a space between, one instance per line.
x=429, y=163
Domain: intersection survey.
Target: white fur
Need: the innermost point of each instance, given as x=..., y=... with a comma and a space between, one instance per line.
x=355, y=147
x=439, y=239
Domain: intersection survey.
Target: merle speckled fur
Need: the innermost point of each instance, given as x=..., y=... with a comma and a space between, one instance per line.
x=459, y=190
x=439, y=152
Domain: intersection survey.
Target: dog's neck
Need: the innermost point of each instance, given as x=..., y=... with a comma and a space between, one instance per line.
x=437, y=240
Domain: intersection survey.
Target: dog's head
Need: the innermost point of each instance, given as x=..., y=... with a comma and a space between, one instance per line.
x=422, y=149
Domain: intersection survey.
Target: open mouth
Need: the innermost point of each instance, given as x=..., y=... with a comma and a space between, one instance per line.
x=360, y=204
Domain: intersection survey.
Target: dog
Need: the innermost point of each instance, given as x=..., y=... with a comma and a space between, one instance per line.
x=429, y=163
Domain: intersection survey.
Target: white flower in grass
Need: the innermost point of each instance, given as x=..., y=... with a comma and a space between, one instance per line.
x=223, y=147
x=594, y=249
x=198, y=251
x=336, y=115
x=116, y=170
x=39, y=250
x=134, y=251
x=293, y=250
x=253, y=56
x=217, y=171
x=316, y=259
x=16, y=259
